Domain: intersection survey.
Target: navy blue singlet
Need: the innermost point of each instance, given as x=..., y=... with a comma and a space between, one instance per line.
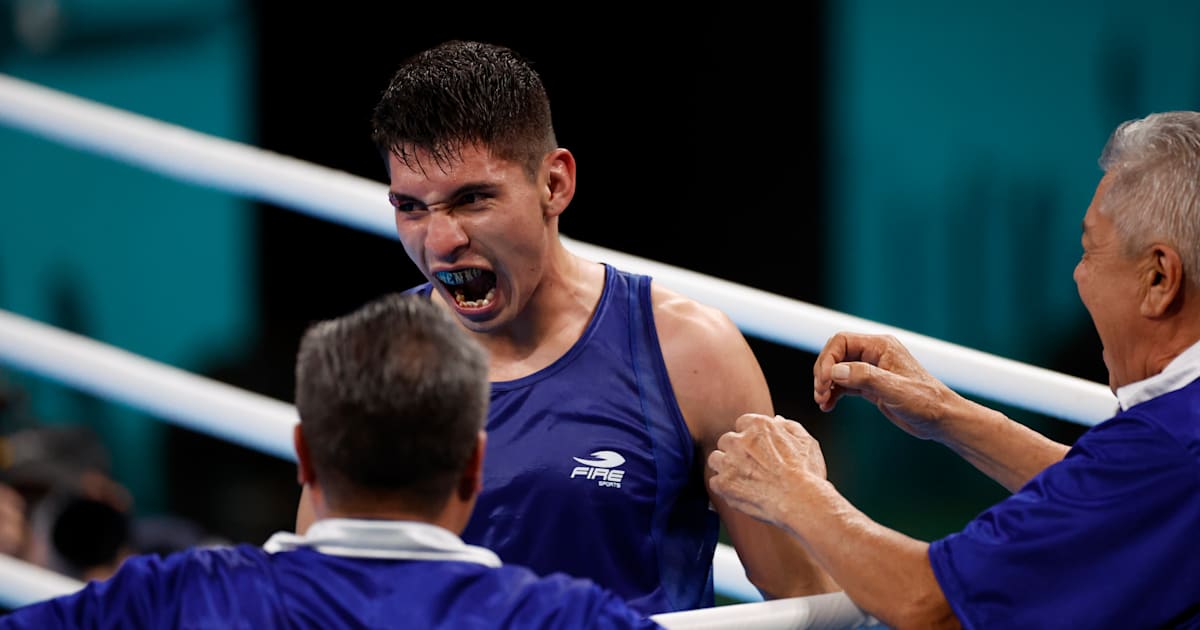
x=591, y=470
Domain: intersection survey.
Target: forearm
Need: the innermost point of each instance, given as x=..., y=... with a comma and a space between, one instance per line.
x=1001, y=448
x=885, y=572
x=774, y=561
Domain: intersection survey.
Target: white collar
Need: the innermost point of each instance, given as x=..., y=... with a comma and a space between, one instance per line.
x=1182, y=370
x=400, y=540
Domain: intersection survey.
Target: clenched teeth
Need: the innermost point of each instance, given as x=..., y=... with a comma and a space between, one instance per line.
x=464, y=302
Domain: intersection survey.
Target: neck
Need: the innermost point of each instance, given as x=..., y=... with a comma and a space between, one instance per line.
x=552, y=320
x=452, y=517
x=1162, y=353
x=1164, y=342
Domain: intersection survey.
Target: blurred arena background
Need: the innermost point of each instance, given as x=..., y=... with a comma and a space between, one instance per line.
x=925, y=166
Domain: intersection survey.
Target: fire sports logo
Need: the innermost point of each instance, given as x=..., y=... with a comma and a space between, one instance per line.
x=602, y=467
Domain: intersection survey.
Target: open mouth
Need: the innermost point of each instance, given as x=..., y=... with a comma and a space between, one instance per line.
x=471, y=288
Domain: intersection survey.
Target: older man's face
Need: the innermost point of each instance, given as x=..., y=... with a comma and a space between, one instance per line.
x=1108, y=285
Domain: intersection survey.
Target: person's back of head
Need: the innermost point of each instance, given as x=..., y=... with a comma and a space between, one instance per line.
x=1154, y=195
x=461, y=93
x=391, y=399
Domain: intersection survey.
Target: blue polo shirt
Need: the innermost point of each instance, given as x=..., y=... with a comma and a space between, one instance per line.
x=345, y=573
x=1107, y=538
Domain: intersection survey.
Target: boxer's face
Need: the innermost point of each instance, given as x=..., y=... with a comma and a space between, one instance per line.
x=477, y=228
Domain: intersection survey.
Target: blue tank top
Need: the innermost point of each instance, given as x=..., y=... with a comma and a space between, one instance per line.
x=590, y=468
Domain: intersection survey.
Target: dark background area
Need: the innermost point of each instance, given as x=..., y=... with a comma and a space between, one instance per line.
x=698, y=140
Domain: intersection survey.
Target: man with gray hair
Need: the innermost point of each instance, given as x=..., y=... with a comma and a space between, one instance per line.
x=392, y=400
x=1101, y=534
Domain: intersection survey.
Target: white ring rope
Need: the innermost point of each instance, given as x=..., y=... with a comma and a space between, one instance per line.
x=358, y=202
x=339, y=197
x=22, y=583
x=198, y=403
x=190, y=400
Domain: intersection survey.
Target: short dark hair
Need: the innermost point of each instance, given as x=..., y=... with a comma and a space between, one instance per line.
x=461, y=93
x=390, y=398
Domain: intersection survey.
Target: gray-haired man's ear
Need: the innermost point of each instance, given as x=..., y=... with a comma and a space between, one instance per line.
x=1165, y=282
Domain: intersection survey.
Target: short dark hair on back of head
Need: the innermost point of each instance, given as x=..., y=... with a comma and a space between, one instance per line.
x=390, y=398
x=460, y=93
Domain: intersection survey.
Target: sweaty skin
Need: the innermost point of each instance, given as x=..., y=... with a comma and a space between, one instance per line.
x=484, y=213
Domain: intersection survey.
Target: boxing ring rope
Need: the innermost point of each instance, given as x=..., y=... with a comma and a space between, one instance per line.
x=361, y=203
x=265, y=424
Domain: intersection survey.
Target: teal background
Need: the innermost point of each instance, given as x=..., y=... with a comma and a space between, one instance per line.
x=962, y=146
x=155, y=266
